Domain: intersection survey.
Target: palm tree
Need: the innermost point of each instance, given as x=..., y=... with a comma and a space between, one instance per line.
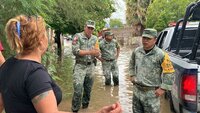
x=135, y=14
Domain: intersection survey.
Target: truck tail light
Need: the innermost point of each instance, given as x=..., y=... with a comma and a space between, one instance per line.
x=189, y=88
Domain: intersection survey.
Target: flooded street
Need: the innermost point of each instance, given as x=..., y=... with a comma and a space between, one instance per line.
x=105, y=95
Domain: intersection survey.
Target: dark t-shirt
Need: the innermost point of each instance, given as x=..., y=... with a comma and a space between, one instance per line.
x=21, y=81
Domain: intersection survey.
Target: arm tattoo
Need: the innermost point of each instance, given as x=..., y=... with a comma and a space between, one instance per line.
x=36, y=99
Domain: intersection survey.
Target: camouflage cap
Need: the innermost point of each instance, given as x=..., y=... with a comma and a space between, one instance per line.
x=149, y=33
x=108, y=33
x=90, y=23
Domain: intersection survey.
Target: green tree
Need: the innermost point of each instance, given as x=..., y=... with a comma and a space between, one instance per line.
x=136, y=13
x=71, y=15
x=65, y=16
x=161, y=12
x=11, y=8
x=116, y=23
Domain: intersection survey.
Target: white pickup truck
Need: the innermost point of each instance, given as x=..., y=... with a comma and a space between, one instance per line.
x=182, y=43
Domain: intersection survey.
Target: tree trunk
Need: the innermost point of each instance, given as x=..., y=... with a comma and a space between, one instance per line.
x=58, y=41
x=138, y=29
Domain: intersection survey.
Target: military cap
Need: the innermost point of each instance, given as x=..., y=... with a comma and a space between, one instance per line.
x=90, y=23
x=149, y=33
x=108, y=33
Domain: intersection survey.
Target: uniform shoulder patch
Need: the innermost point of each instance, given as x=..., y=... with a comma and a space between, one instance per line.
x=167, y=64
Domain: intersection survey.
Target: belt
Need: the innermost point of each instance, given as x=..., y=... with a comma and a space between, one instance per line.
x=144, y=88
x=84, y=63
x=109, y=60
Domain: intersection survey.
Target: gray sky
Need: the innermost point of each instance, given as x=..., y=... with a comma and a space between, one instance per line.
x=120, y=11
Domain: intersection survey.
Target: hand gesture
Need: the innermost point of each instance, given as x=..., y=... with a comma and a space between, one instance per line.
x=94, y=52
x=159, y=92
x=132, y=79
x=114, y=108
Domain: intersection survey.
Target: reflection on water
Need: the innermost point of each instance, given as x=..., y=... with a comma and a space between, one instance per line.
x=105, y=95
x=125, y=87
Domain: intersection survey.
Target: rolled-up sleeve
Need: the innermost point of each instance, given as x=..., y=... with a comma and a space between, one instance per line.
x=167, y=81
x=168, y=73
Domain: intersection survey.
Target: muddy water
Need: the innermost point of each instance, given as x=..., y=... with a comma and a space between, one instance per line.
x=104, y=95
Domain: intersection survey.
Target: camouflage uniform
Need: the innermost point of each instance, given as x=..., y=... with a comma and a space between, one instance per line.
x=147, y=69
x=83, y=70
x=109, y=65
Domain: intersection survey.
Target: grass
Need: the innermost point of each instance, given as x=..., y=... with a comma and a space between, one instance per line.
x=64, y=72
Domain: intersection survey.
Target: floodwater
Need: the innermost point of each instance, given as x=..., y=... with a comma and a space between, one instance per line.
x=105, y=95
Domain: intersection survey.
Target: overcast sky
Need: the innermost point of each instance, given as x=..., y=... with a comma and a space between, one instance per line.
x=120, y=10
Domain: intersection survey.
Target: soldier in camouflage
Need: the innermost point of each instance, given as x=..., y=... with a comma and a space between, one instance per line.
x=102, y=33
x=109, y=54
x=85, y=47
x=151, y=72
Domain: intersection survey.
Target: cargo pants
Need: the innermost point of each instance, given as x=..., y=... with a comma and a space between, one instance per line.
x=83, y=78
x=145, y=101
x=110, y=67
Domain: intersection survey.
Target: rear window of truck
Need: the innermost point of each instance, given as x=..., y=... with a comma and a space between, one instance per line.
x=186, y=43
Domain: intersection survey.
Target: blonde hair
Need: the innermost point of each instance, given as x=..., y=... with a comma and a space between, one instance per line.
x=31, y=28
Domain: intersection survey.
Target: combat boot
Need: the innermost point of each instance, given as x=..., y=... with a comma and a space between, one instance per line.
x=108, y=82
x=85, y=106
x=116, y=81
x=75, y=111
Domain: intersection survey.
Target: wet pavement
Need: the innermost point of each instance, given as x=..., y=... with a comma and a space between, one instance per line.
x=105, y=95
